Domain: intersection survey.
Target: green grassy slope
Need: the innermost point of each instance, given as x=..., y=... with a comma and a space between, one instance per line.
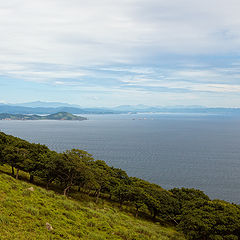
x=24, y=214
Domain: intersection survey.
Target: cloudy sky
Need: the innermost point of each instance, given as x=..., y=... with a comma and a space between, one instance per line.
x=108, y=53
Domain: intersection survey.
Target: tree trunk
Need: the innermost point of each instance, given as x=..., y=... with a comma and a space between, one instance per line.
x=47, y=185
x=98, y=194
x=17, y=174
x=31, y=179
x=13, y=171
x=66, y=190
x=61, y=183
x=173, y=219
x=154, y=215
x=136, y=215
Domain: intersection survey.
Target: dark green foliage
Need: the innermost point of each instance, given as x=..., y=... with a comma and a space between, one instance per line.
x=185, y=194
x=204, y=219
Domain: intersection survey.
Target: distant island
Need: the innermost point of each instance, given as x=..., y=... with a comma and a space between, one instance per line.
x=55, y=116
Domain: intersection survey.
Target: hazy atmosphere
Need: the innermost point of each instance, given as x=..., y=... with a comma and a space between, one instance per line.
x=108, y=53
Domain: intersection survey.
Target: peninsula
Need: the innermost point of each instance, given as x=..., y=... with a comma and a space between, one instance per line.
x=55, y=116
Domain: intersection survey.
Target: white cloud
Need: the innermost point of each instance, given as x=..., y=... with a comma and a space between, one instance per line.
x=214, y=80
x=130, y=44
x=87, y=32
x=219, y=88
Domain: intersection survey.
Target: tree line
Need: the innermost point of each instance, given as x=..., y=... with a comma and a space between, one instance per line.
x=190, y=210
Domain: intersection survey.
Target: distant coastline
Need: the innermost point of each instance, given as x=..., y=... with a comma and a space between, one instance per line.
x=56, y=116
x=52, y=108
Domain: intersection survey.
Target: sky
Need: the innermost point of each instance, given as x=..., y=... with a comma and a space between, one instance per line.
x=107, y=53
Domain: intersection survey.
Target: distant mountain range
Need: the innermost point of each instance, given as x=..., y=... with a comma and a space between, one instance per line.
x=49, y=108
x=55, y=107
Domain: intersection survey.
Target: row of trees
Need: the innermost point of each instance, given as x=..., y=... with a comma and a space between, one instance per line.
x=189, y=209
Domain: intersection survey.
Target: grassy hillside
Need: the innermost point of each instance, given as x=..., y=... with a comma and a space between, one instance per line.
x=24, y=214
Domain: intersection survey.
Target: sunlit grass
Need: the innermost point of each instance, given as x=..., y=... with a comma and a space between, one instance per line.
x=24, y=214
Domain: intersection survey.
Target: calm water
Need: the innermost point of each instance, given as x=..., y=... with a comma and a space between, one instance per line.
x=171, y=150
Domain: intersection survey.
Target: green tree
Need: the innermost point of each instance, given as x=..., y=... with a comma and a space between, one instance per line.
x=15, y=157
x=32, y=164
x=71, y=165
x=202, y=219
x=137, y=198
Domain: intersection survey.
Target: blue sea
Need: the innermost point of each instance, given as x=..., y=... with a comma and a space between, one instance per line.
x=172, y=150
